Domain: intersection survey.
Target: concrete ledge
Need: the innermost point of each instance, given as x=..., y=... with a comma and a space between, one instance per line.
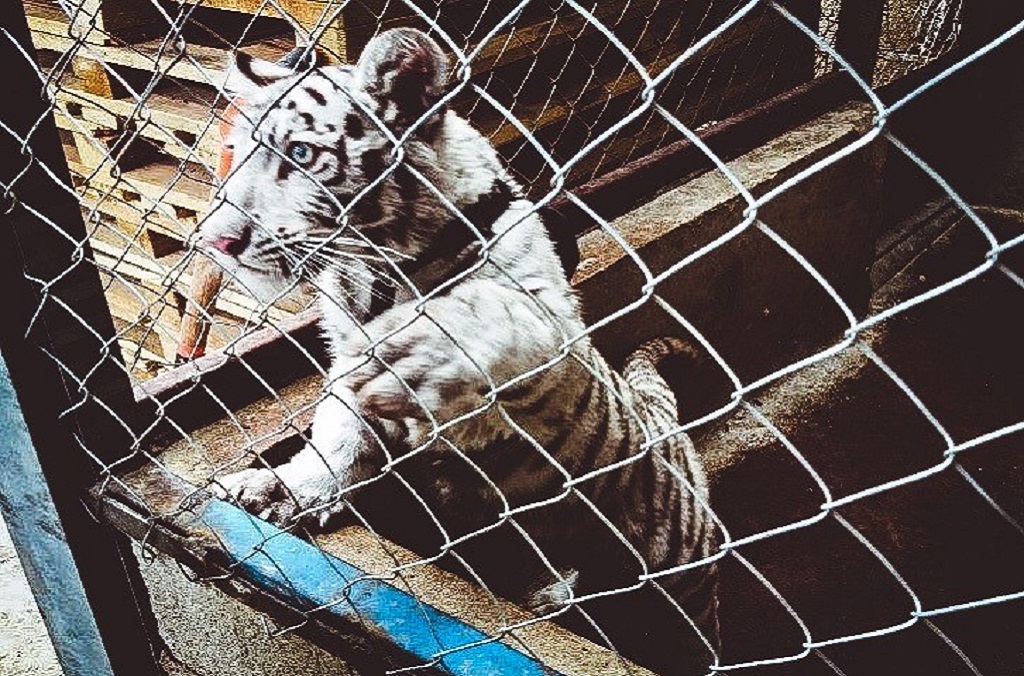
x=947, y=528
x=748, y=297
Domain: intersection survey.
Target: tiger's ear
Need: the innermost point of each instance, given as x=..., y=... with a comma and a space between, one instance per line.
x=405, y=71
x=303, y=58
x=248, y=74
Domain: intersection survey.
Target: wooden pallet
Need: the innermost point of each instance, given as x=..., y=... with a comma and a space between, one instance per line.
x=148, y=298
x=137, y=230
x=179, y=117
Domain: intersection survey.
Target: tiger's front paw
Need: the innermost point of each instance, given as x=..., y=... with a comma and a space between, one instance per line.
x=261, y=492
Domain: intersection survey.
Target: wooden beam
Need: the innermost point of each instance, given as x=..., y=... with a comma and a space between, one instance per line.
x=406, y=610
x=860, y=29
x=39, y=540
x=207, y=278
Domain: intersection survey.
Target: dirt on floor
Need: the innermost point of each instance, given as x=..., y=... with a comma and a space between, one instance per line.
x=25, y=647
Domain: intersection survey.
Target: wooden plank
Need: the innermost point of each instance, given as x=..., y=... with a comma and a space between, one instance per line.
x=161, y=182
x=29, y=513
x=185, y=130
x=206, y=64
x=155, y=310
x=96, y=22
x=95, y=160
x=183, y=118
x=104, y=148
x=45, y=17
x=207, y=279
x=176, y=146
x=198, y=63
x=124, y=196
x=319, y=20
x=163, y=220
x=305, y=11
x=105, y=22
x=352, y=573
x=144, y=318
x=115, y=21
x=556, y=648
x=180, y=119
x=93, y=77
x=70, y=151
x=173, y=272
x=76, y=114
x=126, y=235
x=132, y=219
x=143, y=361
x=278, y=560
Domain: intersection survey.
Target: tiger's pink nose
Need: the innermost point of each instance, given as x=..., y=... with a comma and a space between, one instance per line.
x=233, y=246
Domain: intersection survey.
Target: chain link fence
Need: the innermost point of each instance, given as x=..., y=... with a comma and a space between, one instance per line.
x=849, y=390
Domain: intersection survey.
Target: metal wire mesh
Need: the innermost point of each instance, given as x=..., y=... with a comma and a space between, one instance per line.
x=569, y=92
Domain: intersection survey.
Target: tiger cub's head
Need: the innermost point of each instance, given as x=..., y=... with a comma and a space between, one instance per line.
x=334, y=164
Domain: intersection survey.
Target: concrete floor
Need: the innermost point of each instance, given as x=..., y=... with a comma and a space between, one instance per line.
x=233, y=641
x=25, y=647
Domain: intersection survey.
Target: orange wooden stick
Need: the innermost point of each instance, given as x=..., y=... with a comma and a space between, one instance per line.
x=207, y=276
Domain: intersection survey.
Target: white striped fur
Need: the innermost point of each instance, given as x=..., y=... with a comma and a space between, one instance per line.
x=399, y=373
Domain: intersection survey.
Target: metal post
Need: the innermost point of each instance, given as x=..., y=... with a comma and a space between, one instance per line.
x=68, y=324
x=860, y=30
x=809, y=13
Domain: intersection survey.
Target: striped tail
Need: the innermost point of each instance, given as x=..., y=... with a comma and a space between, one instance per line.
x=641, y=373
x=696, y=590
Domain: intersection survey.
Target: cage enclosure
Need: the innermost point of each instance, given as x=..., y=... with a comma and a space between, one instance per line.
x=812, y=208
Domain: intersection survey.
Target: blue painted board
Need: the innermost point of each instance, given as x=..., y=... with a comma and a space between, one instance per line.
x=27, y=507
x=307, y=576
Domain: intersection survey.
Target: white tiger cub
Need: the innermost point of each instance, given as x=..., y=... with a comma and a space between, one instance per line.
x=345, y=177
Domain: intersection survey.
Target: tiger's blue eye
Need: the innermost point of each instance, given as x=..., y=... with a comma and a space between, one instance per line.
x=301, y=153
